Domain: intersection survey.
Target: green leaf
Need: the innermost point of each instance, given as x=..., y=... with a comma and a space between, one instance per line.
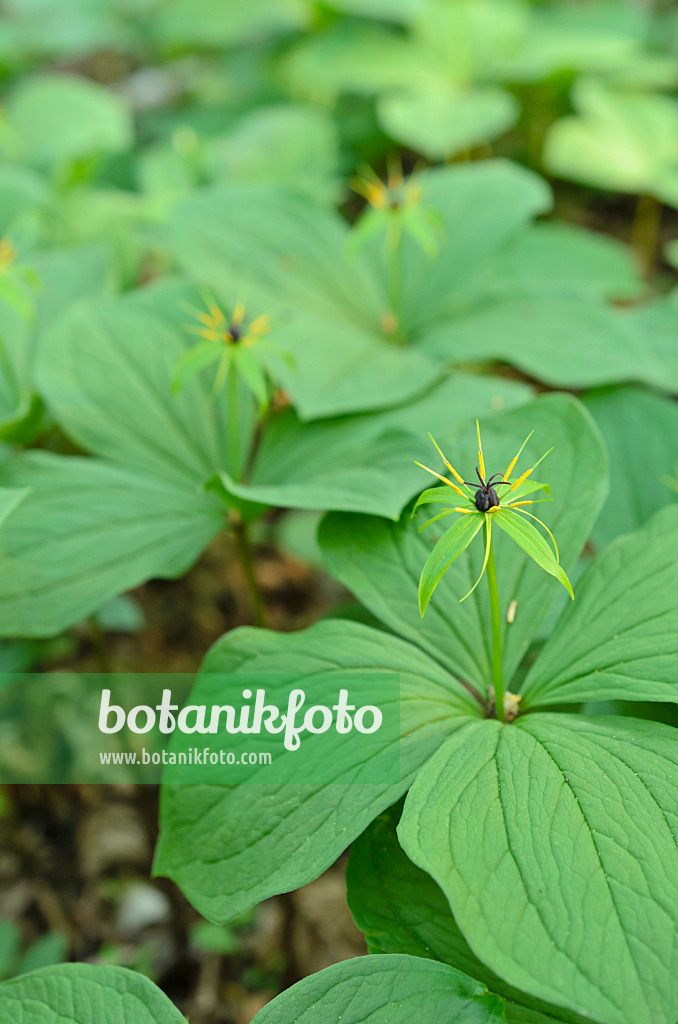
x=402, y=910
x=287, y=255
x=384, y=990
x=65, y=276
x=573, y=897
x=230, y=847
x=10, y=942
x=640, y=431
x=87, y=531
x=656, y=324
x=532, y=542
x=553, y=256
x=441, y=122
x=201, y=23
x=51, y=948
x=566, y=340
x=361, y=58
x=195, y=359
x=481, y=207
x=253, y=376
x=10, y=498
x=381, y=562
x=106, y=371
x=291, y=145
x=362, y=463
x=453, y=542
x=84, y=994
x=623, y=141
x=62, y=117
x=619, y=640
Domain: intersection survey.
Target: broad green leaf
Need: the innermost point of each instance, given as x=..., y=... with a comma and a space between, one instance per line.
x=276, y=250
x=624, y=141
x=290, y=145
x=532, y=542
x=87, y=531
x=335, y=366
x=51, y=948
x=441, y=122
x=361, y=58
x=61, y=117
x=193, y=360
x=402, y=910
x=555, y=841
x=641, y=434
x=386, y=10
x=10, y=498
x=453, y=542
x=566, y=340
x=363, y=463
x=286, y=255
x=381, y=562
x=230, y=847
x=551, y=255
x=620, y=639
x=106, y=371
x=481, y=207
x=202, y=23
x=64, y=276
x=655, y=322
x=85, y=994
x=384, y=990
x=23, y=195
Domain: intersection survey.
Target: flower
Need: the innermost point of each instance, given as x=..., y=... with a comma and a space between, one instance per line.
x=481, y=505
x=216, y=327
x=395, y=193
x=7, y=254
x=396, y=207
x=235, y=344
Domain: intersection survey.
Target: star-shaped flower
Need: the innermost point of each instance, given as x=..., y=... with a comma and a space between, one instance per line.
x=482, y=505
x=236, y=345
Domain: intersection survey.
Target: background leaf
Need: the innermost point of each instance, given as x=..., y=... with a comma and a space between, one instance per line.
x=61, y=117
x=641, y=434
x=440, y=123
x=106, y=371
x=363, y=463
x=87, y=531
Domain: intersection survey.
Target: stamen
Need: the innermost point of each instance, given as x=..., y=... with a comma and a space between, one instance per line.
x=523, y=478
x=481, y=461
x=512, y=464
x=444, y=479
x=449, y=466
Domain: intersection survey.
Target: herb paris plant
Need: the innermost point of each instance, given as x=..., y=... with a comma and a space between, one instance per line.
x=554, y=838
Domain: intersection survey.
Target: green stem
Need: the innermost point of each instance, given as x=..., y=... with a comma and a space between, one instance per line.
x=99, y=642
x=395, y=280
x=495, y=616
x=645, y=234
x=242, y=540
x=233, y=424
